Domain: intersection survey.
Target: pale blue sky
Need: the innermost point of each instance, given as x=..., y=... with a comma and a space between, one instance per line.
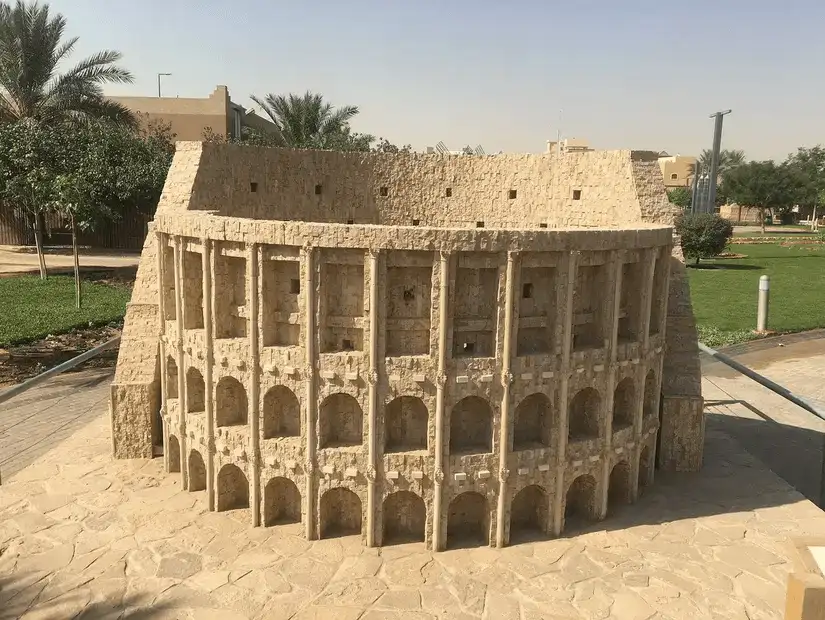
x=634, y=74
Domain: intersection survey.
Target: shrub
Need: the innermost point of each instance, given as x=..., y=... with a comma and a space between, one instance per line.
x=704, y=235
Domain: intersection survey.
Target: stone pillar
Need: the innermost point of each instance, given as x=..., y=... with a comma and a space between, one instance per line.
x=209, y=344
x=647, y=297
x=372, y=259
x=254, y=386
x=182, y=398
x=311, y=397
x=613, y=296
x=162, y=341
x=441, y=380
x=564, y=318
x=506, y=381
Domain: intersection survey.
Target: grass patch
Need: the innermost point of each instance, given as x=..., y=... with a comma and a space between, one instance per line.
x=31, y=308
x=725, y=292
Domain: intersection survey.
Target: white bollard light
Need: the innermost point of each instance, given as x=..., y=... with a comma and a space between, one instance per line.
x=762, y=308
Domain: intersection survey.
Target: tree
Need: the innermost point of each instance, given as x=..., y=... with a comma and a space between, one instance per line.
x=385, y=146
x=703, y=235
x=308, y=122
x=763, y=185
x=807, y=168
x=680, y=196
x=32, y=47
x=728, y=160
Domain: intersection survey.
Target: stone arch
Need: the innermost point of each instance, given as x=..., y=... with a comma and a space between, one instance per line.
x=580, y=502
x=233, y=488
x=341, y=421
x=405, y=517
x=197, y=472
x=644, y=467
x=230, y=402
x=624, y=404
x=282, y=502
x=281, y=414
x=174, y=454
x=471, y=426
x=584, y=414
x=405, y=424
x=340, y=513
x=533, y=422
x=195, y=391
x=171, y=377
x=619, y=490
x=649, y=407
x=528, y=512
x=468, y=522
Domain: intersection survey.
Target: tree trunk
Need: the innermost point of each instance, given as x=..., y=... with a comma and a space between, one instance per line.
x=38, y=243
x=762, y=220
x=76, y=264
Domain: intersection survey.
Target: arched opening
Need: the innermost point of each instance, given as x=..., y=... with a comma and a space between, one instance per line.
x=644, y=468
x=580, y=502
x=171, y=377
x=197, y=472
x=468, y=521
x=619, y=491
x=624, y=400
x=405, y=425
x=584, y=415
x=233, y=488
x=282, y=502
x=282, y=414
x=340, y=513
x=405, y=517
x=195, y=391
x=533, y=423
x=649, y=407
x=341, y=421
x=230, y=403
x=471, y=426
x=174, y=454
x=528, y=513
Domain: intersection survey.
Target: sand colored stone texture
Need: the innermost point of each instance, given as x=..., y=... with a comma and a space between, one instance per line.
x=436, y=348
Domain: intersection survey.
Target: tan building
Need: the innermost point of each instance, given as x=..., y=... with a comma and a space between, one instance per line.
x=340, y=340
x=568, y=145
x=677, y=170
x=191, y=117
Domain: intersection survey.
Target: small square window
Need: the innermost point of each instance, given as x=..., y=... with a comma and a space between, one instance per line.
x=346, y=345
x=479, y=224
x=674, y=176
x=253, y=187
x=469, y=347
x=543, y=225
x=513, y=194
x=318, y=189
x=409, y=294
x=416, y=222
x=294, y=286
x=448, y=192
x=527, y=290
x=384, y=192
x=350, y=221
x=577, y=194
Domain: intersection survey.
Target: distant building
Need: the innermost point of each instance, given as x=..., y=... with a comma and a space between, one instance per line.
x=568, y=145
x=677, y=170
x=190, y=117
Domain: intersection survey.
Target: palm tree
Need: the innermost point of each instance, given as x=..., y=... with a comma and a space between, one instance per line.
x=31, y=50
x=306, y=121
x=728, y=160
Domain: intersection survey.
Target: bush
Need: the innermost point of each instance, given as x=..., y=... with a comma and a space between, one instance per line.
x=704, y=235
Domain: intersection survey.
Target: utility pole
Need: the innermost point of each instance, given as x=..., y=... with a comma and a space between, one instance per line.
x=159, y=76
x=694, y=194
x=714, y=161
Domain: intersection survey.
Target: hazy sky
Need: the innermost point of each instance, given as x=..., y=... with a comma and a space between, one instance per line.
x=634, y=74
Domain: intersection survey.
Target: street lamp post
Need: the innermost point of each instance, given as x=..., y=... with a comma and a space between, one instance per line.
x=714, y=161
x=159, y=76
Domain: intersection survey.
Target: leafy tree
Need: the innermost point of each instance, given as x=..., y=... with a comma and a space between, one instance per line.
x=680, y=196
x=32, y=47
x=807, y=168
x=385, y=146
x=763, y=185
x=703, y=235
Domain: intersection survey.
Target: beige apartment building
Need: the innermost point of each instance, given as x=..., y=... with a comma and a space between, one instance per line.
x=677, y=170
x=190, y=117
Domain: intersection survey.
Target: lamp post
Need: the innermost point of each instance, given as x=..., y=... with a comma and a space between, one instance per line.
x=159, y=76
x=714, y=161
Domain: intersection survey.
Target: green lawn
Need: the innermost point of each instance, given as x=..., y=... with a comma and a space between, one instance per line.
x=31, y=308
x=724, y=297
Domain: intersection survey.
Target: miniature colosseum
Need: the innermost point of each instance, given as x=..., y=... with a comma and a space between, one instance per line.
x=426, y=347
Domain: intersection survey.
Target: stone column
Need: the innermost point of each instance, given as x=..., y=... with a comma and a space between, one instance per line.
x=372, y=259
x=647, y=297
x=506, y=381
x=209, y=344
x=565, y=318
x=311, y=397
x=614, y=298
x=441, y=380
x=182, y=397
x=254, y=386
x=161, y=240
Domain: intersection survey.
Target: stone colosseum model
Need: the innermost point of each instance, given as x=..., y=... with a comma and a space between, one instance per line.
x=411, y=347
